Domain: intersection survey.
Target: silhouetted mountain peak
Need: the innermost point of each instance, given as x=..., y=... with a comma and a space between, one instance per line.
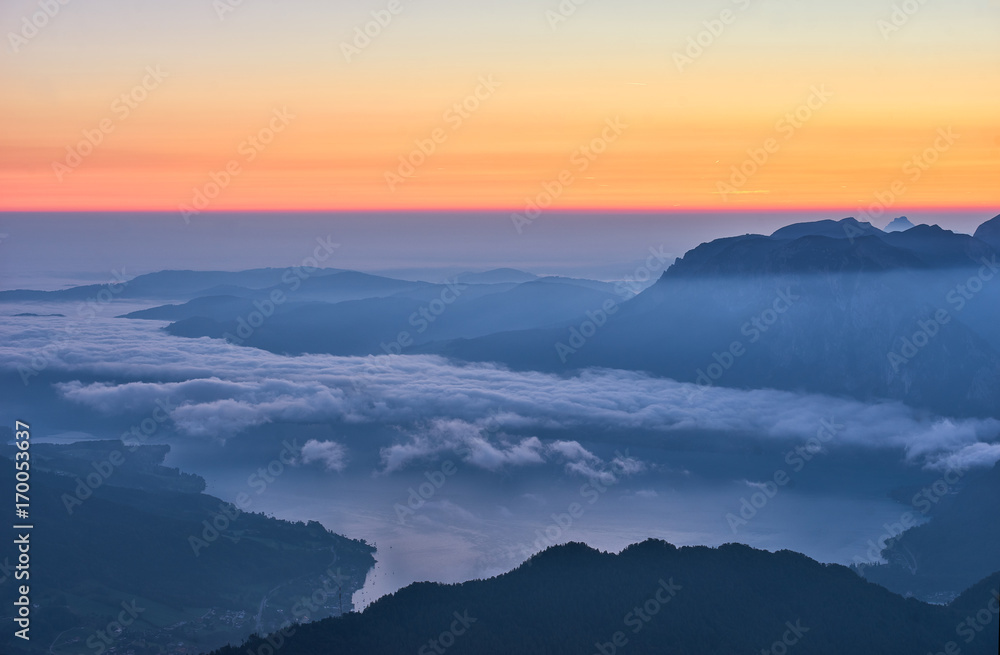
x=927, y=230
x=989, y=232
x=572, y=553
x=835, y=246
x=649, y=546
x=847, y=228
x=901, y=224
x=940, y=248
x=809, y=253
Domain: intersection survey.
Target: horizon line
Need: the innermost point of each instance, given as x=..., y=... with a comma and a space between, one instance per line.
x=850, y=213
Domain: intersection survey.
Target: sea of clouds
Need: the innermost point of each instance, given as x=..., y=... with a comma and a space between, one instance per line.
x=217, y=390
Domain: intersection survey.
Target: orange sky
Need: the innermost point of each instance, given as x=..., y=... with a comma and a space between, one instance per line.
x=545, y=96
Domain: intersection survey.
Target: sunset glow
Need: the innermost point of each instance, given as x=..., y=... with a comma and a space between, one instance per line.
x=502, y=101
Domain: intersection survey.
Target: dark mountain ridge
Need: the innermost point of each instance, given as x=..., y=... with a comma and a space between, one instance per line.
x=832, y=246
x=650, y=598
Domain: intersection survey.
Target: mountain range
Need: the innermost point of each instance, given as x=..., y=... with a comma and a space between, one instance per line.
x=653, y=598
x=836, y=307
x=832, y=307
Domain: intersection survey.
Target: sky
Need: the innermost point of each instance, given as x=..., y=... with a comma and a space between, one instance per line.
x=211, y=105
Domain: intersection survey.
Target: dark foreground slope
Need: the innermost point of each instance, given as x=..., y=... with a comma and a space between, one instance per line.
x=652, y=598
x=115, y=531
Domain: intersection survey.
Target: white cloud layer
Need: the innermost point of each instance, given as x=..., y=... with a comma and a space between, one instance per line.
x=331, y=454
x=216, y=390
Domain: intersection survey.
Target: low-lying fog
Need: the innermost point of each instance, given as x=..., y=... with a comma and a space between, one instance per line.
x=457, y=472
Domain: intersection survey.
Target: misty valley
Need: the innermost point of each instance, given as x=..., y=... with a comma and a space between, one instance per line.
x=773, y=443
